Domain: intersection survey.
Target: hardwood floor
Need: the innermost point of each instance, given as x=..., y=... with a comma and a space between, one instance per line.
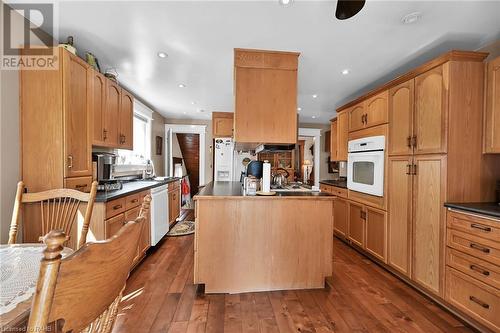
x=160, y=297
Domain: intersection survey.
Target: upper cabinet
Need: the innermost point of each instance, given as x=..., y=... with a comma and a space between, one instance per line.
x=266, y=96
x=368, y=113
x=401, y=102
x=125, y=120
x=492, y=110
x=112, y=113
x=222, y=124
x=77, y=118
x=333, y=140
x=339, y=136
x=98, y=107
x=431, y=96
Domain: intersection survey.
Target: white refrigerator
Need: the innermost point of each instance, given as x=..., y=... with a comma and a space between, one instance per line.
x=223, y=165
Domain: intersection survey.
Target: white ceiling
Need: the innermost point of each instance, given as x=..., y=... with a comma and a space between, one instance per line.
x=199, y=37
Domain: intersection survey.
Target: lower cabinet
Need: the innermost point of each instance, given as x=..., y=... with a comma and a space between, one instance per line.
x=340, y=217
x=357, y=216
x=174, y=202
x=144, y=238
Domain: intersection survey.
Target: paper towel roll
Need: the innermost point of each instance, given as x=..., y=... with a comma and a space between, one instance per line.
x=266, y=177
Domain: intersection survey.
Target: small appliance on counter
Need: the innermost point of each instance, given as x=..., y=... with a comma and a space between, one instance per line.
x=105, y=163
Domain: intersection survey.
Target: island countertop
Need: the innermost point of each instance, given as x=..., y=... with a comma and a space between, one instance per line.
x=234, y=190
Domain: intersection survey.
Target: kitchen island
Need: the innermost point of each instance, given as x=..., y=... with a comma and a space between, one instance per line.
x=260, y=243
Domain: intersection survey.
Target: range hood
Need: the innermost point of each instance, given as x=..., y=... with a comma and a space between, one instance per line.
x=275, y=148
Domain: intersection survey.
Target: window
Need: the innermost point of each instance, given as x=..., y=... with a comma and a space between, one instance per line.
x=141, y=137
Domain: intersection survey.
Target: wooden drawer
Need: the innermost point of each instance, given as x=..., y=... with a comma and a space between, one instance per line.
x=79, y=183
x=474, y=225
x=115, y=207
x=481, y=248
x=134, y=200
x=325, y=188
x=474, y=267
x=474, y=298
x=174, y=186
x=114, y=224
x=339, y=191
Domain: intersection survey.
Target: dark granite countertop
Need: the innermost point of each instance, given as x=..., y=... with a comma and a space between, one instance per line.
x=485, y=208
x=131, y=188
x=342, y=183
x=235, y=189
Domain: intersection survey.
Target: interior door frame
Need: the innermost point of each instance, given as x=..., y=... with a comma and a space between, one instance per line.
x=316, y=134
x=170, y=130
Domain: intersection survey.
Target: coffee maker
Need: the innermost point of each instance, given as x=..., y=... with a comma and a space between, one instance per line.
x=105, y=163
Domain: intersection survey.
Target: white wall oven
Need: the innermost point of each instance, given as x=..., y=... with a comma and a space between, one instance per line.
x=365, y=165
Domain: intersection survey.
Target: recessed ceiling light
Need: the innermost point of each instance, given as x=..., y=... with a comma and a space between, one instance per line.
x=201, y=110
x=411, y=18
x=345, y=71
x=162, y=55
x=184, y=112
x=315, y=96
x=299, y=109
x=285, y=2
x=182, y=85
x=313, y=117
x=193, y=102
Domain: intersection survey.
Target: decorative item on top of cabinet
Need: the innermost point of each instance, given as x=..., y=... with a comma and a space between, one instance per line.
x=222, y=124
x=265, y=81
x=126, y=134
x=492, y=108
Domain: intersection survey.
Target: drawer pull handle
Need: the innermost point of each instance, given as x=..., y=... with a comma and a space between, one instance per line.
x=479, y=247
x=117, y=207
x=480, y=270
x=135, y=200
x=480, y=227
x=478, y=301
x=81, y=185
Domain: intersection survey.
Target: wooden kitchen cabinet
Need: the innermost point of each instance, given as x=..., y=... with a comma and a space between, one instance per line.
x=340, y=217
x=174, y=202
x=431, y=110
x=98, y=107
x=333, y=140
x=400, y=187
x=342, y=135
x=401, y=104
x=428, y=221
x=144, y=238
x=77, y=118
x=126, y=134
x=357, y=217
x=328, y=140
x=357, y=117
x=266, y=96
x=376, y=232
x=222, y=124
x=114, y=224
x=111, y=123
x=492, y=109
x=369, y=113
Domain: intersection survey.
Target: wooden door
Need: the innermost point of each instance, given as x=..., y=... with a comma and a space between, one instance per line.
x=376, y=233
x=266, y=105
x=357, y=217
x=333, y=141
x=126, y=120
x=114, y=224
x=222, y=124
x=376, y=109
x=400, y=196
x=492, y=115
x=77, y=117
x=401, y=102
x=342, y=135
x=357, y=117
x=111, y=117
x=340, y=216
x=428, y=221
x=98, y=107
x=431, y=108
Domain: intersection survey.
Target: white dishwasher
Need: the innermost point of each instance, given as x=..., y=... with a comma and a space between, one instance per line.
x=159, y=213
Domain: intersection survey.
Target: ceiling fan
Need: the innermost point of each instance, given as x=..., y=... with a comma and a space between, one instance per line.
x=348, y=8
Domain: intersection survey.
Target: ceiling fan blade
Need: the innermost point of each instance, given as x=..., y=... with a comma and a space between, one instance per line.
x=348, y=8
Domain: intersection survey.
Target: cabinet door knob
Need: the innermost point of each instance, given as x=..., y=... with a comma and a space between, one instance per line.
x=104, y=134
x=408, y=169
x=70, y=161
x=414, y=141
x=408, y=141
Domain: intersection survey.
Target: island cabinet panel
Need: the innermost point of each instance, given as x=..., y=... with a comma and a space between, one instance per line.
x=492, y=110
x=265, y=96
x=431, y=110
x=401, y=103
x=341, y=217
x=222, y=124
x=400, y=213
x=357, y=217
x=259, y=244
x=428, y=224
x=77, y=118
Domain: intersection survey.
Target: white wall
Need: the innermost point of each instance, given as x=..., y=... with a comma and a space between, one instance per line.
x=323, y=157
x=158, y=129
x=9, y=138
